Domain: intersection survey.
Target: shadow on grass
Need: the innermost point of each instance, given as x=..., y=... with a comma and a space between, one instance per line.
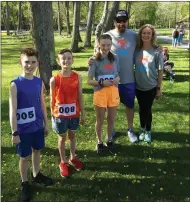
x=88, y=91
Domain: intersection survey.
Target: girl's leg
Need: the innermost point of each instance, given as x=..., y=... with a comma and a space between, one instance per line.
x=35, y=161
x=23, y=167
x=110, y=121
x=100, y=113
x=72, y=140
x=61, y=147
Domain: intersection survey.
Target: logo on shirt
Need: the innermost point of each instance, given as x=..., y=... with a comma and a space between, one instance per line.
x=122, y=47
x=108, y=68
x=142, y=64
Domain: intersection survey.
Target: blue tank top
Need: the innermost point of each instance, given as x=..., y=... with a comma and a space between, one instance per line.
x=29, y=110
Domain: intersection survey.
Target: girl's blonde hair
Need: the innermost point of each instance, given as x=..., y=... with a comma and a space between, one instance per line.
x=153, y=40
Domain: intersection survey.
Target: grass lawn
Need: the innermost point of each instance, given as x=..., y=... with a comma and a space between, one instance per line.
x=140, y=172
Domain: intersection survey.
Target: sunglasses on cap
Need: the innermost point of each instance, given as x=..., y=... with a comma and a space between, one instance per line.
x=121, y=20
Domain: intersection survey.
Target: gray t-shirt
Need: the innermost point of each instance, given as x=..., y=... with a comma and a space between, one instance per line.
x=123, y=45
x=147, y=64
x=104, y=69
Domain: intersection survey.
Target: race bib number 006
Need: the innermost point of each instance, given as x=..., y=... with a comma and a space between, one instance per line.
x=105, y=77
x=26, y=115
x=67, y=109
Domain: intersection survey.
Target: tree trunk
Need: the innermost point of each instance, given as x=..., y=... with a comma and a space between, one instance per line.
x=93, y=28
x=87, y=42
x=59, y=19
x=99, y=27
x=175, y=14
x=67, y=18
x=75, y=32
x=128, y=9
x=7, y=18
x=44, y=38
x=19, y=16
x=111, y=14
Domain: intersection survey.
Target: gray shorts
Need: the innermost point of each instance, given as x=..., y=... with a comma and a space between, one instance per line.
x=61, y=125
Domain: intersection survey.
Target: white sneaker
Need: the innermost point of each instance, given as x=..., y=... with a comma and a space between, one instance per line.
x=132, y=137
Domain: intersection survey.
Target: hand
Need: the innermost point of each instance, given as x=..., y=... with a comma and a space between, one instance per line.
x=116, y=80
x=46, y=131
x=16, y=139
x=83, y=118
x=158, y=94
x=90, y=60
x=107, y=83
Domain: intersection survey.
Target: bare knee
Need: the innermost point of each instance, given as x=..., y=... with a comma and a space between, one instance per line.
x=71, y=135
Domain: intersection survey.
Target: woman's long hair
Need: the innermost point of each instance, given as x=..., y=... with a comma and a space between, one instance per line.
x=139, y=37
x=98, y=54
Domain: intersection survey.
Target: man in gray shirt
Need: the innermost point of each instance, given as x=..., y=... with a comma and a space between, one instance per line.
x=123, y=45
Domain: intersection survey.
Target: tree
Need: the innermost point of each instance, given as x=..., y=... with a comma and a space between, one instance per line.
x=7, y=18
x=19, y=16
x=67, y=18
x=128, y=9
x=43, y=37
x=110, y=16
x=59, y=19
x=87, y=42
x=75, y=32
x=102, y=21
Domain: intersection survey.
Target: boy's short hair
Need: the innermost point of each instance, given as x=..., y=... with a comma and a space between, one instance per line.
x=65, y=51
x=29, y=52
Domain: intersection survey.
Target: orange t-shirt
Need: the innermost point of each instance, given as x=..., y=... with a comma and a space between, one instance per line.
x=66, y=96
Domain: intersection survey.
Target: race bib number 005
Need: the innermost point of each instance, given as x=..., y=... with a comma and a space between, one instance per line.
x=67, y=109
x=26, y=115
x=105, y=77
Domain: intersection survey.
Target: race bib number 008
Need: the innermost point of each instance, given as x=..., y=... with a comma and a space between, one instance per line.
x=67, y=109
x=105, y=77
x=26, y=115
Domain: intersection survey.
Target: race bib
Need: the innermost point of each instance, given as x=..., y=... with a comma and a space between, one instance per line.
x=26, y=115
x=67, y=109
x=106, y=77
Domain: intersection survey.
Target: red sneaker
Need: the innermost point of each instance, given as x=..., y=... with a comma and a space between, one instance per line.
x=78, y=165
x=64, y=170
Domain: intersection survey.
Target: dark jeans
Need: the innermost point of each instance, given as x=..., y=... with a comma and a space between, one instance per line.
x=145, y=100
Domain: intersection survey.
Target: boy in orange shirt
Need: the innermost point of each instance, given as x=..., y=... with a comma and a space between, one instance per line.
x=66, y=105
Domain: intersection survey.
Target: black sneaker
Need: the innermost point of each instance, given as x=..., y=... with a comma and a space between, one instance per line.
x=110, y=146
x=100, y=148
x=25, y=192
x=40, y=178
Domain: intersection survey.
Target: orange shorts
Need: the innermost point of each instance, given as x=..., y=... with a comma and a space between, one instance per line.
x=106, y=97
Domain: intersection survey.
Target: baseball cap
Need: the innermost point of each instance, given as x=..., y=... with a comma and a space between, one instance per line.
x=121, y=14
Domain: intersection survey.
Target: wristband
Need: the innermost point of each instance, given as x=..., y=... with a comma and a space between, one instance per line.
x=100, y=82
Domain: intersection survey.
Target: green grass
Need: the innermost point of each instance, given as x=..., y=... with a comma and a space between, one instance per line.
x=141, y=172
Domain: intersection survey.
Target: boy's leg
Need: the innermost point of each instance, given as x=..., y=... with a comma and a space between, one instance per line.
x=35, y=162
x=24, y=150
x=38, y=142
x=23, y=167
x=72, y=140
x=61, y=147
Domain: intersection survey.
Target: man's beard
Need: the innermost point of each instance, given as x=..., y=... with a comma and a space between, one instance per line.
x=122, y=29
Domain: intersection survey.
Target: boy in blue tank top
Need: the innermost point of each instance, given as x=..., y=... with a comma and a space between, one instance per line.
x=28, y=120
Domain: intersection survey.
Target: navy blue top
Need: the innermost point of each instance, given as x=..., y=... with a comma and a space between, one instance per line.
x=29, y=110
